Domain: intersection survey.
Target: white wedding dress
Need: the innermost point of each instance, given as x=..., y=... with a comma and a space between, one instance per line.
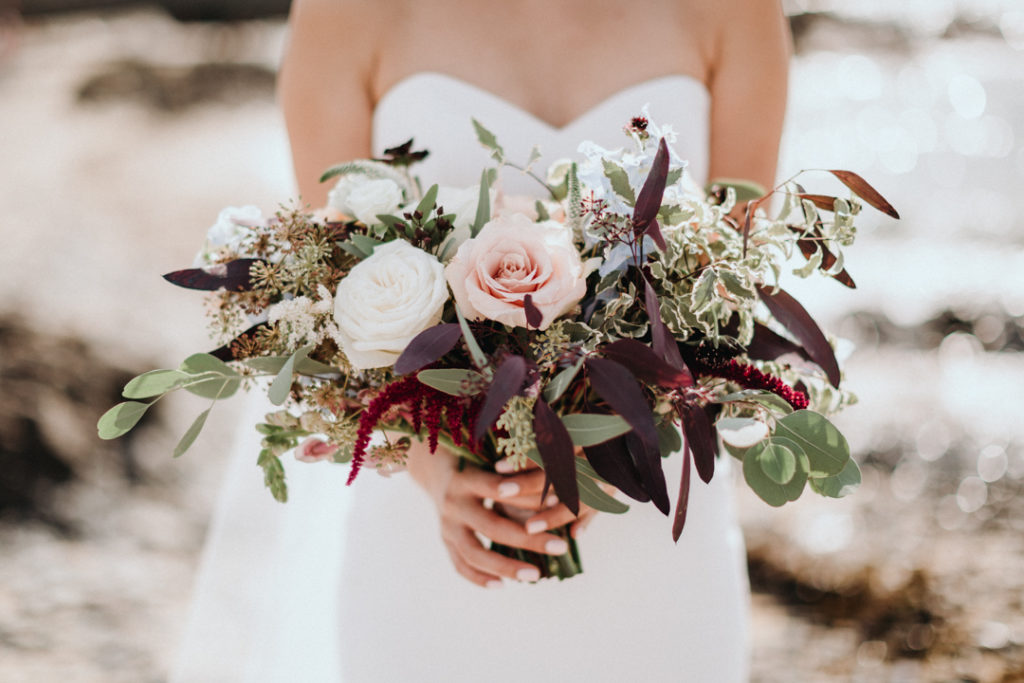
x=355, y=585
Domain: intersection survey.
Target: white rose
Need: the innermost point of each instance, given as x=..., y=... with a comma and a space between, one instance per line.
x=374, y=197
x=233, y=225
x=386, y=300
x=462, y=202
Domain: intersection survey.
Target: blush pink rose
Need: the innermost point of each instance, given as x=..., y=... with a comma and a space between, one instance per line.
x=315, y=450
x=511, y=257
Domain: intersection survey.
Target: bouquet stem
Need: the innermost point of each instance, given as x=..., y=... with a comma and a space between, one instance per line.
x=557, y=566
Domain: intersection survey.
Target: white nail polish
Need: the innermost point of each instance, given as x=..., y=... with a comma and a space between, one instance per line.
x=556, y=546
x=551, y=501
x=494, y=583
x=507, y=489
x=528, y=574
x=504, y=467
x=536, y=526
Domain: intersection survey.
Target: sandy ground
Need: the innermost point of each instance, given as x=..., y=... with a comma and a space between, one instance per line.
x=910, y=580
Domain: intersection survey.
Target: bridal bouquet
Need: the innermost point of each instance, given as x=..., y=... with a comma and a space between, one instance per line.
x=622, y=316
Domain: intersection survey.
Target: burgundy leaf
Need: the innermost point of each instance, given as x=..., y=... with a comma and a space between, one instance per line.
x=233, y=276
x=828, y=259
x=612, y=461
x=226, y=353
x=683, y=502
x=822, y=201
x=664, y=343
x=700, y=439
x=862, y=189
x=644, y=363
x=797, y=320
x=767, y=345
x=533, y=315
x=508, y=380
x=648, y=465
x=619, y=388
x=654, y=230
x=428, y=346
x=649, y=200
x=556, y=452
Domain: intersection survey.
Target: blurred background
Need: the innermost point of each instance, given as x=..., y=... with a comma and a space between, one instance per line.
x=124, y=129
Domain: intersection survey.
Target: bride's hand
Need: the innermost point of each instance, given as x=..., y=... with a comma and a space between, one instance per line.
x=459, y=497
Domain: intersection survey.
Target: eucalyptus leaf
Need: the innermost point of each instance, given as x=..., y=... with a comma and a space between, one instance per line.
x=154, y=383
x=535, y=154
x=223, y=381
x=593, y=495
x=483, y=204
x=588, y=429
x=428, y=202
x=838, y=485
x=670, y=440
x=199, y=363
x=120, y=419
x=778, y=462
x=304, y=366
x=352, y=249
x=282, y=384
x=542, y=212
x=560, y=382
x=765, y=487
x=216, y=389
x=488, y=140
x=475, y=352
x=825, y=446
x=190, y=435
x=365, y=243
x=453, y=381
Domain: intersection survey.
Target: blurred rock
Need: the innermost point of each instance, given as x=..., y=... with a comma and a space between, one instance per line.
x=174, y=88
x=54, y=390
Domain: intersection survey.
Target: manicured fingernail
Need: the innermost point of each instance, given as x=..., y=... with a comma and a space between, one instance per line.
x=536, y=526
x=507, y=489
x=494, y=583
x=551, y=501
x=528, y=574
x=556, y=546
x=504, y=467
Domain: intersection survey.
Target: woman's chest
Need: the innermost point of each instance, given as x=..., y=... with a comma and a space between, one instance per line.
x=554, y=61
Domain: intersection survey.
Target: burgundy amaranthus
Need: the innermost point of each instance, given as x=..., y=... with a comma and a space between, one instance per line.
x=749, y=377
x=426, y=406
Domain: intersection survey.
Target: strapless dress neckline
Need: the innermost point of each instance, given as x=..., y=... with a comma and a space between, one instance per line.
x=629, y=92
x=435, y=109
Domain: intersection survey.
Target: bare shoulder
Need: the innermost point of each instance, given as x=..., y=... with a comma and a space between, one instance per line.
x=345, y=20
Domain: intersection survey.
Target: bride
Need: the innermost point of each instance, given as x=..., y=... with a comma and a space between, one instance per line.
x=386, y=581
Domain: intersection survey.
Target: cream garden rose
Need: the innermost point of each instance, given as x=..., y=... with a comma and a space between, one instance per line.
x=511, y=257
x=364, y=198
x=385, y=301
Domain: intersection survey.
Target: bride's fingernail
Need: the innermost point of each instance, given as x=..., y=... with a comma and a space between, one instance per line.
x=556, y=546
x=551, y=501
x=494, y=583
x=528, y=574
x=504, y=467
x=536, y=526
x=507, y=489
